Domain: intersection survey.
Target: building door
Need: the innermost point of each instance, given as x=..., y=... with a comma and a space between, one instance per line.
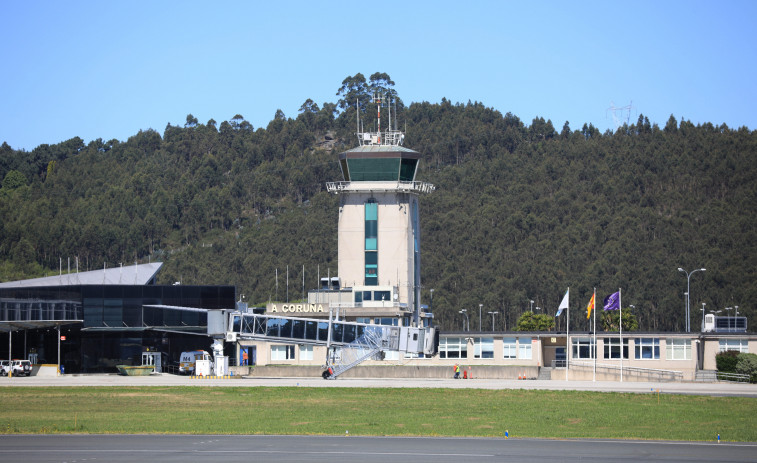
x=560, y=357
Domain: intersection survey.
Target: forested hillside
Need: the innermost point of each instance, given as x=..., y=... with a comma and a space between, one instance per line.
x=521, y=211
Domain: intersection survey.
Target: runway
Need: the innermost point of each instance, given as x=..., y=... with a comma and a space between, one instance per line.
x=336, y=449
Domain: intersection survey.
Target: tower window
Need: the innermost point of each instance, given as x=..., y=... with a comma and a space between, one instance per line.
x=371, y=243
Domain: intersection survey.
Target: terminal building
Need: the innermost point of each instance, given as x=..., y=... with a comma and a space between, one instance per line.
x=92, y=321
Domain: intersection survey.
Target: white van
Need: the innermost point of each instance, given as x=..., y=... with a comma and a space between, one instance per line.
x=187, y=361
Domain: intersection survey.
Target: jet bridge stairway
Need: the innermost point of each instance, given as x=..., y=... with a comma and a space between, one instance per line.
x=348, y=343
x=353, y=354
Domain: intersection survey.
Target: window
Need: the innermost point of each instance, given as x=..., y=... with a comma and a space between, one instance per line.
x=647, y=348
x=509, y=346
x=483, y=348
x=371, y=243
x=306, y=352
x=524, y=348
x=453, y=348
x=583, y=348
x=612, y=348
x=678, y=349
x=386, y=321
x=741, y=345
x=282, y=353
x=366, y=320
x=382, y=296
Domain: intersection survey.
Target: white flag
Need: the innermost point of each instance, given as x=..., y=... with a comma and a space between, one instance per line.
x=563, y=304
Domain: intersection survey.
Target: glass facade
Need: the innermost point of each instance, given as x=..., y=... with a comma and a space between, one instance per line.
x=113, y=324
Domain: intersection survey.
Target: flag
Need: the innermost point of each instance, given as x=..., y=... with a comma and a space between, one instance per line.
x=612, y=302
x=563, y=304
x=590, y=307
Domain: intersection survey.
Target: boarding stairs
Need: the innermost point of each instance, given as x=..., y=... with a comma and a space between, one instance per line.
x=351, y=355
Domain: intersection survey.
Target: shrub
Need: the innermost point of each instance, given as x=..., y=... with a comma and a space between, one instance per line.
x=746, y=364
x=726, y=361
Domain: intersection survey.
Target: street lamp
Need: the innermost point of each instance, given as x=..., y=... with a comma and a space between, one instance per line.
x=532, y=306
x=480, y=306
x=465, y=314
x=493, y=314
x=688, y=294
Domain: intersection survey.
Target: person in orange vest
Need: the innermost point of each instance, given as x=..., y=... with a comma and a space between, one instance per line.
x=457, y=371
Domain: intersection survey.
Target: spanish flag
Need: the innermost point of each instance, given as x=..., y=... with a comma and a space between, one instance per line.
x=590, y=307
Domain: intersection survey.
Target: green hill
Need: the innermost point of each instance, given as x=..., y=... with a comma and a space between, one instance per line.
x=520, y=213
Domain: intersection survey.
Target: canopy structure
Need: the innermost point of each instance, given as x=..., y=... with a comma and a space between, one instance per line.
x=141, y=274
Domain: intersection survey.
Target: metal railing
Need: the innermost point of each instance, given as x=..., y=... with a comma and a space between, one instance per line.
x=736, y=377
x=418, y=187
x=650, y=374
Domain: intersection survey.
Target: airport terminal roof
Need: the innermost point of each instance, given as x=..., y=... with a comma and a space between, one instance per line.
x=140, y=274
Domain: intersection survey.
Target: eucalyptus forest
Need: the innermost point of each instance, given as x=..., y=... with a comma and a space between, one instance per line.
x=522, y=211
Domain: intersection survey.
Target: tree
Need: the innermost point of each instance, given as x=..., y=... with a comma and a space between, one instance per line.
x=191, y=121
x=354, y=89
x=535, y=322
x=381, y=84
x=610, y=320
x=14, y=179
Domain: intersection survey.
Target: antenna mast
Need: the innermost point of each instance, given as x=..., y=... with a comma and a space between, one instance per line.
x=392, y=136
x=615, y=110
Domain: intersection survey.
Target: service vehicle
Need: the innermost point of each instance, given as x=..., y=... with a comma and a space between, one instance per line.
x=188, y=359
x=22, y=368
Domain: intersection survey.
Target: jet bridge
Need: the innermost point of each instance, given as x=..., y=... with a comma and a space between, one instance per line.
x=348, y=343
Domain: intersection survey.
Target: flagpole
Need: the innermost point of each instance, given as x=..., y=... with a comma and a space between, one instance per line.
x=594, y=298
x=567, y=341
x=620, y=305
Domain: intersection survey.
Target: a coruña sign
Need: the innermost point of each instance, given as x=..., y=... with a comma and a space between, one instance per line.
x=296, y=308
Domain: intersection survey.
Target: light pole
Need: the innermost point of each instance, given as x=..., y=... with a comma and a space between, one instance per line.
x=480, y=306
x=431, y=302
x=688, y=294
x=532, y=306
x=493, y=314
x=465, y=314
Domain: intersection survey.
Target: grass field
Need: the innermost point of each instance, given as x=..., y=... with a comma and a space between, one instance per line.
x=369, y=411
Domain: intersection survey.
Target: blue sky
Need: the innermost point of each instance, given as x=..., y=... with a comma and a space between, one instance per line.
x=108, y=69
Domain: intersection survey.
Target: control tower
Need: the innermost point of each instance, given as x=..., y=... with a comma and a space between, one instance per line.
x=379, y=227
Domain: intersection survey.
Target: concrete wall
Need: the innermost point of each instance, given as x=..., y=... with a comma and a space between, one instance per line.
x=400, y=371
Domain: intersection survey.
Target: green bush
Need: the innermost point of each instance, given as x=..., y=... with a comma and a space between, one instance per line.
x=726, y=361
x=746, y=364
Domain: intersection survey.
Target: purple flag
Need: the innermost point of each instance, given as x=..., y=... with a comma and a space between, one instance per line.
x=612, y=301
